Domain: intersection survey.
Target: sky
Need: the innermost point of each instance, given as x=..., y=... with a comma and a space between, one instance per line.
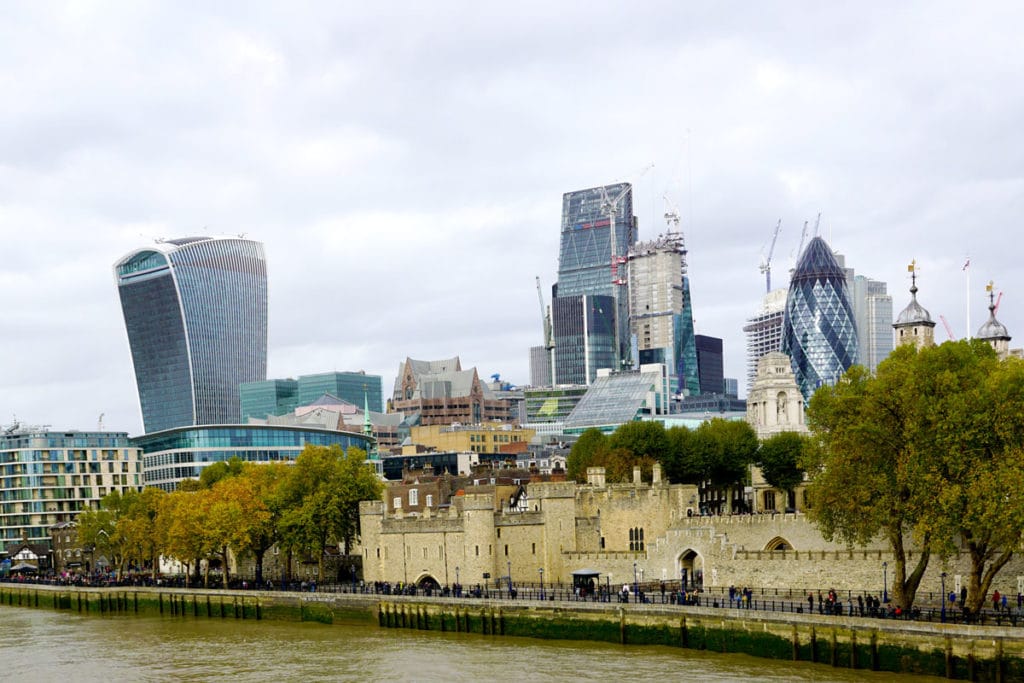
x=404, y=164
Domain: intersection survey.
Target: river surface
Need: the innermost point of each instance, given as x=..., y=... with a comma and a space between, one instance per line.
x=39, y=645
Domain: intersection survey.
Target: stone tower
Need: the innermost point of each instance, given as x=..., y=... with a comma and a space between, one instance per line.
x=914, y=325
x=774, y=403
x=993, y=331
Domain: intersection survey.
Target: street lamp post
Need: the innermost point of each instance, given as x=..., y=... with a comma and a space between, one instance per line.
x=885, y=583
x=510, y=578
x=609, y=578
x=641, y=574
x=458, y=589
x=541, y=572
x=943, y=597
x=636, y=584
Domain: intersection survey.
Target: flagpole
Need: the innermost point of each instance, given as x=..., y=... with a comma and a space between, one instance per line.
x=967, y=269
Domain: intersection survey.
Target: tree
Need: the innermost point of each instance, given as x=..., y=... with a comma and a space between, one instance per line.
x=181, y=526
x=725, y=449
x=682, y=461
x=643, y=438
x=972, y=442
x=222, y=469
x=589, y=446
x=861, y=485
x=779, y=460
x=322, y=498
x=268, y=481
x=235, y=512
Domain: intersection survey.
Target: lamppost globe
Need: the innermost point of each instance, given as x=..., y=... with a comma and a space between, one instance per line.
x=885, y=582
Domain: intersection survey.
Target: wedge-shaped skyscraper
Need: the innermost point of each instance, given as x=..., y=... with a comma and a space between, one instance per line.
x=195, y=310
x=819, y=333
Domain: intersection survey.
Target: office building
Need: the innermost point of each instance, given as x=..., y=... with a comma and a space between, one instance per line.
x=172, y=455
x=598, y=229
x=764, y=330
x=540, y=367
x=710, y=364
x=819, y=333
x=440, y=392
x=282, y=396
x=195, y=310
x=47, y=477
x=872, y=310
x=584, y=337
x=660, y=311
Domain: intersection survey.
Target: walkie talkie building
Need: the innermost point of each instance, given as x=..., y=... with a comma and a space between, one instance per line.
x=195, y=310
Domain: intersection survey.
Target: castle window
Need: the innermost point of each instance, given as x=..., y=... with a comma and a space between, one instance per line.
x=414, y=497
x=506, y=550
x=430, y=500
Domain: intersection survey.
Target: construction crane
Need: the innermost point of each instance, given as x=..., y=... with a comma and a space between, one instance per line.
x=766, y=265
x=545, y=316
x=803, y=236
x=998, y=299
x=609, y=207
x=672, y=214
x=949, y=330
x=817, y=222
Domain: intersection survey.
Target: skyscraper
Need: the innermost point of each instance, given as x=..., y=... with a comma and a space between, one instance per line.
x=710, y=364
x=660, y=311
x=584, y=337
x=195, y=310
x=764, y=330
x=592, y=265
x=872, y=310
x=819, y=334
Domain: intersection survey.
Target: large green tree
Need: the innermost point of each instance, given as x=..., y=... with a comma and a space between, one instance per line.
x=725, y=450
x=779, y=460
x=591, y=445
x=861, y=483
x=928, y=449
x=972, y=437
x=642, y=439
x=682, y=461
x=321, y=499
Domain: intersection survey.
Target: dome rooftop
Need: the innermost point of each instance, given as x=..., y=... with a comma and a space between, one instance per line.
x=914, y=313
x=992, y=329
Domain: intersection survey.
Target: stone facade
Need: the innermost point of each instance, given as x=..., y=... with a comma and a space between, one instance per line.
x=617, y=529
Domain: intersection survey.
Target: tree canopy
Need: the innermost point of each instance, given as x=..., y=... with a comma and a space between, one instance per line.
x=926, y=449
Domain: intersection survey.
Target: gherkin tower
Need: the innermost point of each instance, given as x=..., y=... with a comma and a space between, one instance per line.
x=819, y=333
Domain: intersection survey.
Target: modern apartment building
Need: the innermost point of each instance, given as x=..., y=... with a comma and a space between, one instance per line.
x=47, y=477
x=195, y=310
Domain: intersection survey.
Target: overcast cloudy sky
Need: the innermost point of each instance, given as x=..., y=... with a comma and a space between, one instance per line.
x=404, y=165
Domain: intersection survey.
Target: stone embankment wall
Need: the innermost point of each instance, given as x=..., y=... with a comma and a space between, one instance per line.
x=955, y=651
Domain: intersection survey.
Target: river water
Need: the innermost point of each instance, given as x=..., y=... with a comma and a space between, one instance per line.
x=39, y=645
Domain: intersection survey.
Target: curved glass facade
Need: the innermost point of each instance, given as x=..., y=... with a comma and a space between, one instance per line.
x=819, y=334
x=172, y=455
x=196, y=318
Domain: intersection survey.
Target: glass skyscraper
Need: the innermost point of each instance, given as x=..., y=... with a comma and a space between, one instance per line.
x=195, y=310
x=586, y=268
x=819, y=333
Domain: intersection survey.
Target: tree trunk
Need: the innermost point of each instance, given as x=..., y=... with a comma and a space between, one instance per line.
x=904, y=588
x=206, y=575
x=224, y=554
x=258, y=553
x=980, y=578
